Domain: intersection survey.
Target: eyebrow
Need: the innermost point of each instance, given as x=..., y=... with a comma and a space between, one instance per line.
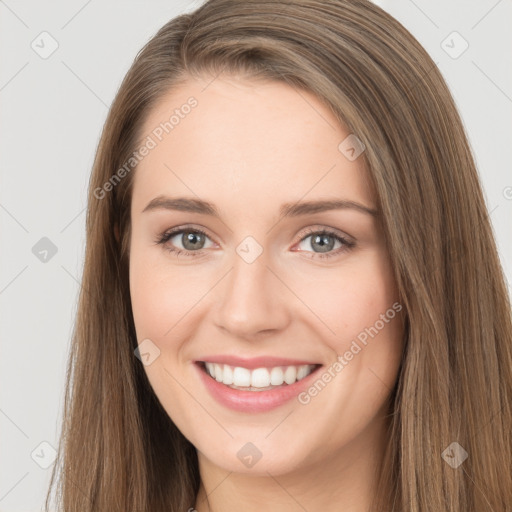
x=193, y=205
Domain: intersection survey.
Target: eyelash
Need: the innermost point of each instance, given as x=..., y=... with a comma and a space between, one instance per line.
x=310, y=231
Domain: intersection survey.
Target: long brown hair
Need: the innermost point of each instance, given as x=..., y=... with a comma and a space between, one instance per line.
x=120, y=451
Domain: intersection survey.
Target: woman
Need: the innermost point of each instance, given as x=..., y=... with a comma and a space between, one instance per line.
x=291, y=298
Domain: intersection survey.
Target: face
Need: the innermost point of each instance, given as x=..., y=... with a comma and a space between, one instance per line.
x=256, y=255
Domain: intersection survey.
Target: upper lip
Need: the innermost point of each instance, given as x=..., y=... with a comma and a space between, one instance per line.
x=255, y=362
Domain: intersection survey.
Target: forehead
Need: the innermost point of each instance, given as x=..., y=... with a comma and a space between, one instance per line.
x=236, y=135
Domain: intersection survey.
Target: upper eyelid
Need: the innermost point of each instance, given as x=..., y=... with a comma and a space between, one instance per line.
x=172, y=232
x=330, y=231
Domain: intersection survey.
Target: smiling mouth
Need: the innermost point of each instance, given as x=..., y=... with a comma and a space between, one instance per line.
x=258, y=379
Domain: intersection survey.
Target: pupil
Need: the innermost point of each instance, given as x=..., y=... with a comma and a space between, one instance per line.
x=323, y=241
x=193, y=239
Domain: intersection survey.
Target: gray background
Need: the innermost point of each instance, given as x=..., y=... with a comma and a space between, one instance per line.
x=53, y=111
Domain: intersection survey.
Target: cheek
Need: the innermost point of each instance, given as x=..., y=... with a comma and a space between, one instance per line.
x=345, y=301
x=160, y=295
x=362, y=321
x=352, y=298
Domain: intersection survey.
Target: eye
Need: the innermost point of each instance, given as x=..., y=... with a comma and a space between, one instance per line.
x=324, y=241
x=191, y=239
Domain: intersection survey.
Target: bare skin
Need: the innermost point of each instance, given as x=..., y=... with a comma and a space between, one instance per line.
x=249, y=147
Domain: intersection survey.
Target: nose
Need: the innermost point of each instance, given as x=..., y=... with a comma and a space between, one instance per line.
x=253, y=300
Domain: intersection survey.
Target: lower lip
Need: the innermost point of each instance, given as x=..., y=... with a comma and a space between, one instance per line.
x=253, y=401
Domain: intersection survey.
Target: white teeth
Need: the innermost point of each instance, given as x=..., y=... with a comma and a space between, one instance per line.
x=210, y=367
x=227, y=375
x=302, y=372
x=276, y=376
x=290, y=375
x=258, y=378
x=241, y=376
